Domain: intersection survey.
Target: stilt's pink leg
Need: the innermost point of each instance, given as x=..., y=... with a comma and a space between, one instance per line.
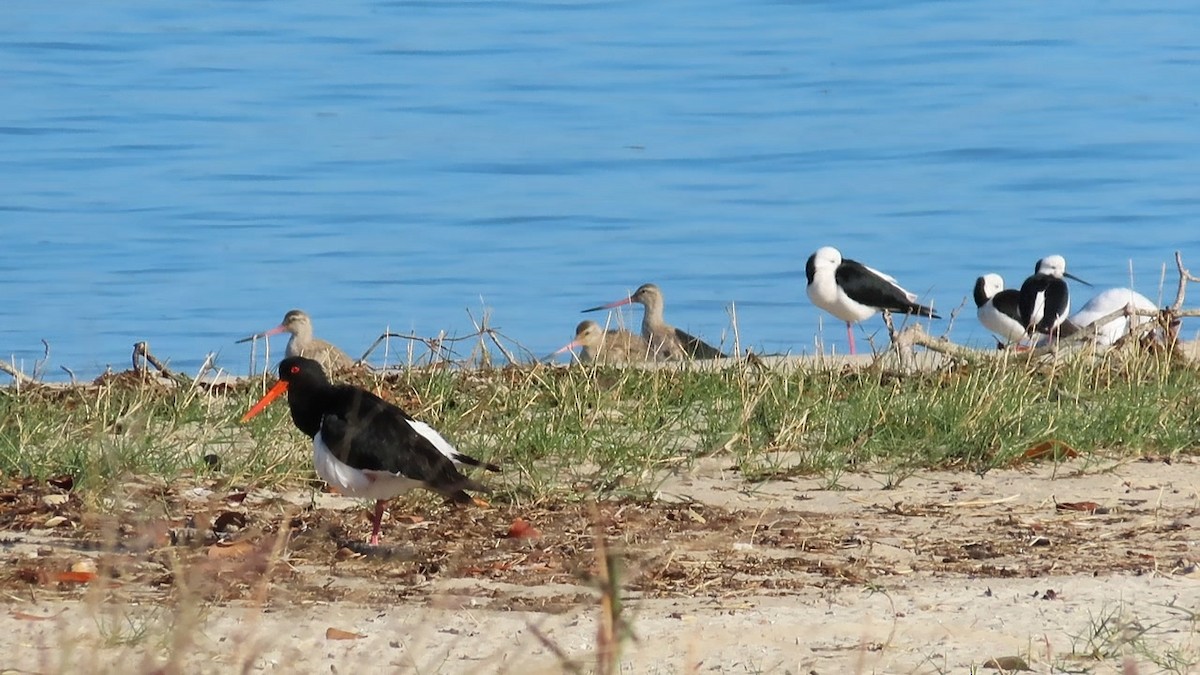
x=850, y=336
x=380, y=505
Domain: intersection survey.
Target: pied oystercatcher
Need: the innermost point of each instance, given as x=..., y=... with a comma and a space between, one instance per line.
x=851, y=291
x=364, y=446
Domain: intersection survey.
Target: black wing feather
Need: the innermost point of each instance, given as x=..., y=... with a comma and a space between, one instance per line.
x=1008, y=303
x=1057, y=298
x=697, y=348
x=1028, y=300
x=368, y=433
x=863, y=286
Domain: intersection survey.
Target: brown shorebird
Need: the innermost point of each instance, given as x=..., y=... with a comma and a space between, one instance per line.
x=666, y=341
x=607, y=346
x=302, y=342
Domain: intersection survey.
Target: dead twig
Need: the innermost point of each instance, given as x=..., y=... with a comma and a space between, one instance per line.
x=563, y=660
x=1184, y=277
x=142, y=349
x=39, y=366
x=915, y=336
x=436, y=345
x=903, y=348
x=15, y=373
x=608, y=639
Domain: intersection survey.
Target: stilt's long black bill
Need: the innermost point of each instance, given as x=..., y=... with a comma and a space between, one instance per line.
x=1072, y=276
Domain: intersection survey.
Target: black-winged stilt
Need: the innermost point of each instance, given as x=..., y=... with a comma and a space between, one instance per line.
x=666, y=341
x=364, y=446
x=998, y=308
x=303, y=343
x=1045, y=297
x=851, y=291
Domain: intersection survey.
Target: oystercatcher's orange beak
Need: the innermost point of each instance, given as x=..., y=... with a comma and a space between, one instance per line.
x=275, y=392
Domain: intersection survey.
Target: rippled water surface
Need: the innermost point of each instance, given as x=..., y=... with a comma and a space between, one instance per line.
x=184, y=173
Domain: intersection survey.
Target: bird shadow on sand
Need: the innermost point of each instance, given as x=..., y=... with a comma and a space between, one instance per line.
x=383, y=552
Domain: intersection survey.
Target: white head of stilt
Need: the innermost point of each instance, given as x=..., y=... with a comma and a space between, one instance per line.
x=1052, y=265
x=824, y=291
x=992, y=284
x=826, y=258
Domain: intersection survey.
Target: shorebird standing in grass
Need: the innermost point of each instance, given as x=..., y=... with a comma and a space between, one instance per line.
x=666, y=341
x=851, y=291
x=607, y=346
x=364, y=446
x=999, y=309
x=303, y=343
x=1045, y=297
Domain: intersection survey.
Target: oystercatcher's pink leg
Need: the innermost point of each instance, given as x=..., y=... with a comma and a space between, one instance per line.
x=380, y=505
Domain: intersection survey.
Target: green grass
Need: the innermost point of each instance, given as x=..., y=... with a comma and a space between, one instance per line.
x=585, y=431
x=1115, y=632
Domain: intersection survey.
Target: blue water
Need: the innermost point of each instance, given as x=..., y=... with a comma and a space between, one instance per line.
x=184, y=173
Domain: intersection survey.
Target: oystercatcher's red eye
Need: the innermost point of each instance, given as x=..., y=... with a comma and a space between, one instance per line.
x=295, y=370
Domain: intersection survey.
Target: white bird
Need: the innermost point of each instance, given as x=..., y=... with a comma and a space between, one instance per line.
x=851, y=291
x=998, y=308
x=1105, y=303
x=1045, y=298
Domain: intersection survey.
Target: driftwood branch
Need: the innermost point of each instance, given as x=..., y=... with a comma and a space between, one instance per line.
x=15, y=373
x=39, y=366
x=209, y=360
x=141, y=350
x=1184, y=277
